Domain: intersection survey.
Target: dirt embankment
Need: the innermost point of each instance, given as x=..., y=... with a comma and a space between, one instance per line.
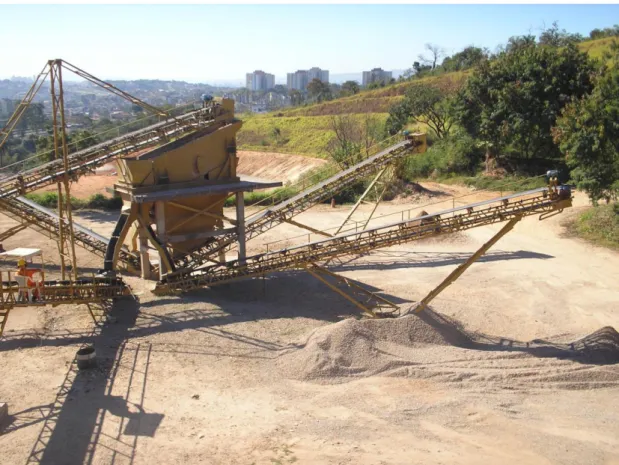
x=276, y=166
x=264, y=165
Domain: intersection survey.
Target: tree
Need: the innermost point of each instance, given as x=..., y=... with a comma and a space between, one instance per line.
x=513, y=101
x=77, y=140
x=33, y=118
x=280, y=89
x=345, y=147
x=351, y=87
x=516, y=43
x=353, y=138
x=435, y=54
x=318, y=90
x=587, y=132
x=467, y=58
x=426, y=105
x=606, y=32
x=296, y=97
x=555, y=37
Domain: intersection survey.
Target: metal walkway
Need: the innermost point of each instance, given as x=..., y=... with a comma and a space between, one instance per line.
x=94, y=290
x=284, y=211
x=537, y=201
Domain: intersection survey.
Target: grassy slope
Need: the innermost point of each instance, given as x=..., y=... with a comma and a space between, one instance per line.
x=596, y=48
x=599, y=225
x=305, y=130
x=306, y=135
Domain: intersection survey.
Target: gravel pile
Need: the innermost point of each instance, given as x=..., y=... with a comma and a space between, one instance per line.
x=432, y=347
x=364, y=347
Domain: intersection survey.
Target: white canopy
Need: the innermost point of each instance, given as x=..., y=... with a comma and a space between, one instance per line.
x=21, y=252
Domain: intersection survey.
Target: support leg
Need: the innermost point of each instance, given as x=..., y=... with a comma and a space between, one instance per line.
x=144, y=255
x=372, y=302
x=240, y=226
x=455, y=274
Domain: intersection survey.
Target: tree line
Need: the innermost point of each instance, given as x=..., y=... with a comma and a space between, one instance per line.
x=536, y=104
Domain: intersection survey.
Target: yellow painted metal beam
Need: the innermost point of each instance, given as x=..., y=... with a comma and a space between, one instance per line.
x=309, y=228
x=455, y=274
x=340, y=292
x=201, y=212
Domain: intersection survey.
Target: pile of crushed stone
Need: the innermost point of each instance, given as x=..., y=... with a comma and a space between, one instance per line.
x=364, y=347
x=429, y=345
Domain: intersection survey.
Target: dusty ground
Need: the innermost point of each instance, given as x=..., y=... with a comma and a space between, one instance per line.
x=215, y=376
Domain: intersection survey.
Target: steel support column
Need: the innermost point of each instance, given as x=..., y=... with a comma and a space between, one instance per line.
x=240, y=224
x=455, y=274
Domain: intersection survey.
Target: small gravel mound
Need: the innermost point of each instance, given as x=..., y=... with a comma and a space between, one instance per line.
x=364, y=347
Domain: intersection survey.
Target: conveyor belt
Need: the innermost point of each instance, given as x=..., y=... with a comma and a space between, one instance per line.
x=45, y=221
x=54, y=215
x=271, y=217
x=85, y=161
x=536, y=201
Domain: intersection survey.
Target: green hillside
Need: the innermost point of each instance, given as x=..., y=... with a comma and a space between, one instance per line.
x=596, y=48
x=305, y=135
x=305, y=129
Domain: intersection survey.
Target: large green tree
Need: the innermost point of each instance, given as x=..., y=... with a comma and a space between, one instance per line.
x=511, y=103
x=318, y=90
x=350, y=88
x=588, y=133
x=467, y=58
x=426, y=105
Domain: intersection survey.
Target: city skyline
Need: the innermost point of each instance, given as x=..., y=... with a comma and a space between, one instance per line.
x=286, y=33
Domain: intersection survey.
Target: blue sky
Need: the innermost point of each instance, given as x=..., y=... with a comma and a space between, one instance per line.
x=204, y=43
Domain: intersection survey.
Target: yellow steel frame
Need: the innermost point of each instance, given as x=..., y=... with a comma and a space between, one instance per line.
x=459, y=271
x=66, y=236
x=374, y=305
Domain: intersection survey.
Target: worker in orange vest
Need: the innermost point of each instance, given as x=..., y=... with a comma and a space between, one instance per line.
x=22, y=270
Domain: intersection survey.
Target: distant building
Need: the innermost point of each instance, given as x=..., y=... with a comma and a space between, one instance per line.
x=376, y=75
x=259, y=81
x=6, y=106
x=301, y=78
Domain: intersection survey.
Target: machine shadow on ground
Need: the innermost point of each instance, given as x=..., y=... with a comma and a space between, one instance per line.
x=390, y=260
x=598, y=348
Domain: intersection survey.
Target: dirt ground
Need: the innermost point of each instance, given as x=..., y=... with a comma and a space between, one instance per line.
x=217, y=376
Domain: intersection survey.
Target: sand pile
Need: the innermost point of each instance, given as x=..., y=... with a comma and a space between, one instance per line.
x=430, y=346
x=364, y=347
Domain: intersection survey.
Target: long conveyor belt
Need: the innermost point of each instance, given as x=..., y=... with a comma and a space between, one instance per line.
x=45, y=221
x=85, y=161
x=271, y=217
x=536, y=201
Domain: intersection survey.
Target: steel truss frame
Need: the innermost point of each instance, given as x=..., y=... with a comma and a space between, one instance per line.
x=48, y=226
x=372, y=305
x=95, y=291
x=538, y=201
x=283, y=212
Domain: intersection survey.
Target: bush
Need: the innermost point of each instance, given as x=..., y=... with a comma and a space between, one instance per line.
x=599, y=225
x=456, y=154
x=96, y=201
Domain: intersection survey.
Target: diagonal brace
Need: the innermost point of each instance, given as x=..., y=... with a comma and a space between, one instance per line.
x=459, y=271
